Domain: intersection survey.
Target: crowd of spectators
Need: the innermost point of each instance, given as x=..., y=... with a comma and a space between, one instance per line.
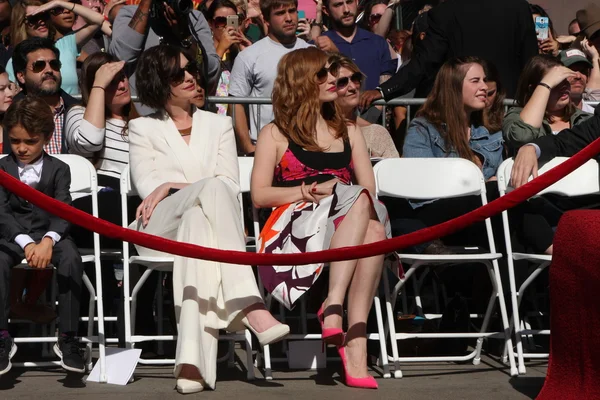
x=126, y=84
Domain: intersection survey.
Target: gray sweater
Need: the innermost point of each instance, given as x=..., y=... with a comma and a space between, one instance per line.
x=127, y=45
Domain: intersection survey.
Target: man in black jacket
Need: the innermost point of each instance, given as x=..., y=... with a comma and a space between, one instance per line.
x=501, y=32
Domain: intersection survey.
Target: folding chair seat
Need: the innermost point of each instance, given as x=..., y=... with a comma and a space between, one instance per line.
x=428, y=179
x=583, y=181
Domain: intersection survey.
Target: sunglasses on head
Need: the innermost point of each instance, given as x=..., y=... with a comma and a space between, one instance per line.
x=322, y=73
x=34, y=20
x=191, y=68
x=356, y=78
x=374, y=18
x=40, y=65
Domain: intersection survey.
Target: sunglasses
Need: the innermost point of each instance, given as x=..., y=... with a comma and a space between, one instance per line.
x=322, y=73
x=220, y=22
x=192, y=68
x=355, y=78
x=374, y=18
x=34, y=20
x=40, y=65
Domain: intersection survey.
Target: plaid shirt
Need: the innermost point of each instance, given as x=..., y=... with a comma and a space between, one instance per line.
x=54, y=146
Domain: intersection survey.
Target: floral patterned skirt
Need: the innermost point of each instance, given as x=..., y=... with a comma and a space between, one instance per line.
x=306, y=227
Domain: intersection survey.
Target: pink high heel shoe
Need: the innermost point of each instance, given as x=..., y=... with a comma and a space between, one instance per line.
x=333, y=336
x=363, y=383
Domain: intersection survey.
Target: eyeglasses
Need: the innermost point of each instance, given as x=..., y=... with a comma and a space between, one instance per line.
x=34, y=20
x=192, y=68
x=322, y=73
x=356, y=78
x=40, y=65
x=220, y=22
x=374, y=18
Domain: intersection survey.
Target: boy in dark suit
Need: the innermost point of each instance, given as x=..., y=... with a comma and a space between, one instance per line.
x=31, y=233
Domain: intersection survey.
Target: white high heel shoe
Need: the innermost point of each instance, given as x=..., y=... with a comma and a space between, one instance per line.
x=271, y=335
x=187, y=386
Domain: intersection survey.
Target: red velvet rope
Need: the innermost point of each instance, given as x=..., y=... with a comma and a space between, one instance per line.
x=108, y=229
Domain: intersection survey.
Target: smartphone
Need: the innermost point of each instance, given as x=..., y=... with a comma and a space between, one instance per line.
x=301, y=15
x=233, y=21
x=541, y=27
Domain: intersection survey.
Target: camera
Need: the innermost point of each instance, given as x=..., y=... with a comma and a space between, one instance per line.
x=181, y=7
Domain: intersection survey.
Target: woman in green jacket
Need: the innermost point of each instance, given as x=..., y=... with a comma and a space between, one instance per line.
x=544, y=104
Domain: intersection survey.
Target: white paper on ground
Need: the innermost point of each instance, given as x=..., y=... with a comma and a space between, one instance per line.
x=120, y=364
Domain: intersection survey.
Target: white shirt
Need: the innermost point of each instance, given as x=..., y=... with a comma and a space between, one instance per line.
x=30, y=174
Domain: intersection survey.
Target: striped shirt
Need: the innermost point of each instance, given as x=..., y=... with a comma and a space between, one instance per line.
x=106, y=147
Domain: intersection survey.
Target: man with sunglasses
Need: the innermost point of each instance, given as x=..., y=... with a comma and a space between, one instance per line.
x=152, y=22
x=37, y=69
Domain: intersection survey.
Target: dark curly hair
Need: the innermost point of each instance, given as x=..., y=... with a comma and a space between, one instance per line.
x=156, y=69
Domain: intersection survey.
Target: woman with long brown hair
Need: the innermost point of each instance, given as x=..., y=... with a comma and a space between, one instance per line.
x=322, y=190
x=452, y=124
x=544, y=105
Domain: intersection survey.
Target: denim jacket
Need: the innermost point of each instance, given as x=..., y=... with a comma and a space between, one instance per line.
x=424, y=141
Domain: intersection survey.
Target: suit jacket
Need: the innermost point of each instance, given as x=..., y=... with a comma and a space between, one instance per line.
x=18, y=216
x=69, y=101
x=501, y=32
x=570, y=141
x=158, y=154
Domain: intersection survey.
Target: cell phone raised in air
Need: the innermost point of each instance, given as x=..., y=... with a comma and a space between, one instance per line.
x=542, y=26
x=233, y=21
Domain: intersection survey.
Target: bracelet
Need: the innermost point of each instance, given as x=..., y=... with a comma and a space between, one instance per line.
x=99, y=87
x=74, y=4
x=545, y=85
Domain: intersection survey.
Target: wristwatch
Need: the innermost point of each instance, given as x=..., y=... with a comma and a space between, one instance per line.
x=380, y=91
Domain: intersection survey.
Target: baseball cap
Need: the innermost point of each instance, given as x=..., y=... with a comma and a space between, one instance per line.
x=573, y=56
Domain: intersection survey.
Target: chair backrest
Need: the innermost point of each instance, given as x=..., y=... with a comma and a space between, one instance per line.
x=84, y=179
x=246, y=164
x=584, y=180
x=428, y=178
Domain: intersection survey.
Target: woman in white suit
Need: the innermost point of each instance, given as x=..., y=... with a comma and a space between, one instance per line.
x=184, y=166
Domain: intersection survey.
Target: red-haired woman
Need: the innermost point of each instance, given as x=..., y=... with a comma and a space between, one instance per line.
x=322, y=189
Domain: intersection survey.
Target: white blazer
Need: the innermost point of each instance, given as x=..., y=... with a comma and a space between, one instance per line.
x=158, y=154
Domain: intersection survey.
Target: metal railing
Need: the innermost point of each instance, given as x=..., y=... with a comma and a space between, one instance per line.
x=408, y=103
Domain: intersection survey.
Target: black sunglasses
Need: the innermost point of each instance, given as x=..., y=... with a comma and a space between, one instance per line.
x=322, y=73
x=192, y=68
x=40, y=65
x=374, y=18
x=34, y=20
x=356, y=78
x=220, y=21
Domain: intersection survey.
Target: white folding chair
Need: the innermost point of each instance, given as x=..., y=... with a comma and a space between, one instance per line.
x=246, y=163
x=583, y=181
x=438, y=178
x=84, y=182
x=163, y=263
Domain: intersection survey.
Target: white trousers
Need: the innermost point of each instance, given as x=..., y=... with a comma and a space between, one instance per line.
x=207, y=295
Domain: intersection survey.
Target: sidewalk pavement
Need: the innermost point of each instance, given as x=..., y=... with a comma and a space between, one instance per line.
x=489, y=380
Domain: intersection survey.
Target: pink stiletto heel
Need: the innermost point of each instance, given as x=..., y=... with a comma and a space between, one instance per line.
x=333, y=336
x=363, y=383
